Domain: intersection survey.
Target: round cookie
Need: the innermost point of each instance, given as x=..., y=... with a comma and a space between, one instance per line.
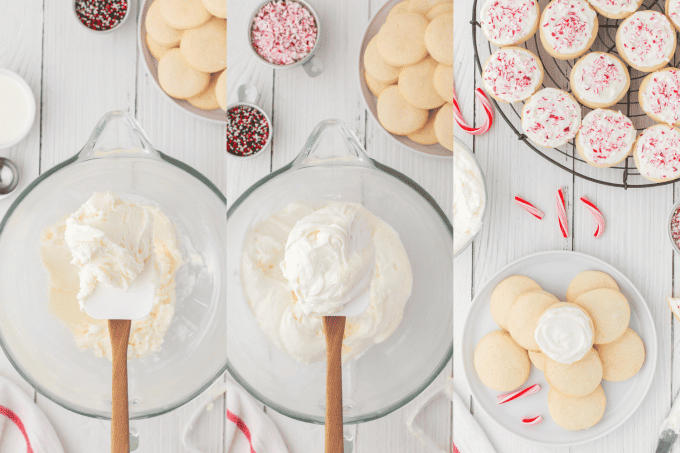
x=376, y=86
x=646, y=40
x=599, y=80
x=443, y=81
x=538, y=359
x=619, y=9
x=178, y=79
x=672, y=9
x=509, y=22
x=568, y=28
x=205, y=48
x=439, y=39
x=560, y=339
x=398, y=116
x=551, y=117
x=577, y=413
x=501, y=364
x=577, y=379
x=426, y=135
x=605, y=138
x=399, y=8
x=587, y=281
x=217, y=8
x=622, y=358
x=207, y=100
x=443, y=126
x=377, y=67
x=659, y=96
x=184, y=14
x=156, y=49
x=504, y=295
x=156, y=27
x=401, y=40
x=512, y=74
x=440, y=8
x=657, y=153
x=416, y=85
x=524, y=315
x=609, y=310
x=221, y=90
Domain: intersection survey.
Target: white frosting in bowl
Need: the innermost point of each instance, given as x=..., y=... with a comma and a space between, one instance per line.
x=564, y=334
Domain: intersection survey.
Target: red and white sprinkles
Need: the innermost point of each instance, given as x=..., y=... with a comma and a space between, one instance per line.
x=597, y=215
x=661, y=95
x=488, y=109
x=530, y=421
x=562, y=213
x=606, y=137
x=502, y=399
x=675, y=229
x=506, y=22
x=551, y=117
x=528, y=207
x=568, y=25
x=284, y=32
x=658, y=152
x=647, y=38
x=512, y=75
x=599, y=78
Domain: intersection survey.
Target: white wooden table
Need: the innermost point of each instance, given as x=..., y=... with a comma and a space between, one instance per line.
x=634, y=241
x=77, y=77
x=296, y=103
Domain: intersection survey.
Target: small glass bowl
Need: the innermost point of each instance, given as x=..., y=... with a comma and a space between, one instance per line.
x=670, y=233
x=99, y=32
x=486, y=196
x=247, y=96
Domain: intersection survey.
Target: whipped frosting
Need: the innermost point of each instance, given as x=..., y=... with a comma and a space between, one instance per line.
x=615, y=7
x=647, y=38
x=564, y=334
x=146, y=335
x=506, y=22
x=512, y=74
x=661, y=95
x=551, y=117
x=599, y=78
x=469, y=197
x=329, y=258
x=674, y=10
x=274, y=304
x=568, y=25
x=606, y=137
x=658, y=152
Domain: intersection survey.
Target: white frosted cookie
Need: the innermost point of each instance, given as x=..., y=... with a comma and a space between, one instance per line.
x=551, y=117
x=599, y=80
x=659, y=96
x=204, y=48
x=605, y=138
x=509, y=22
x=646, y=40
x=178, y=79
x=501, y=363
x=568, y=28
x=673, y=12
x=565, y=333
x=184, y=14
x=657, y=153
x=616, y=9
x=512, y=74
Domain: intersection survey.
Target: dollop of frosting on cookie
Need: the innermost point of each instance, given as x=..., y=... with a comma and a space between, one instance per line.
x=606, y=137
x=647, y=38
x=599, y=78
x=661, y=95
x=658, y=152
x=568, y=25
x=512, y=75
x=506, y=22
x=551, y=117
x=615, y=7
x=564, y=334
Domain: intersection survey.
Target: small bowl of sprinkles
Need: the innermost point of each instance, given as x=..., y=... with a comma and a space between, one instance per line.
x=249, y=129
x=674, y=227
x=101, y=16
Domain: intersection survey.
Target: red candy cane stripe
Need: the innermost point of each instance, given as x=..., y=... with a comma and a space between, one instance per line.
x=532, y=420
x=458, y=116
x=596, y=214
x=518, y=394
x=528, y=207
x=562, y=213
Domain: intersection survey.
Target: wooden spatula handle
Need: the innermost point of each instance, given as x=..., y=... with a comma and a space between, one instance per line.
x=119, y=332
x=334, y=327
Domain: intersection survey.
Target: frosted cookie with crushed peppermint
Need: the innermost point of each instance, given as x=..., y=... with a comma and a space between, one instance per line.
x=605, y=138
x=599, y=80
x=551, y=117
x=659, y=96
x=657, y=153
x=646, y=40
x=673, y=12
x=568, y=28
x=512, y=74
x=616, y=9
x=509, y=22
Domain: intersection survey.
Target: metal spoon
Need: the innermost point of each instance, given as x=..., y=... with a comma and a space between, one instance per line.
x=9, y=177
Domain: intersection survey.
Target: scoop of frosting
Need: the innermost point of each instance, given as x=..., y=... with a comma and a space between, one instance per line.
x=329, y=258
x=564, y=334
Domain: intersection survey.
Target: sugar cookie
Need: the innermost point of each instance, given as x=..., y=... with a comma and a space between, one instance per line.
x=416, y=85
x=443, y=126
x=673, y=12
x=207, y=99
x=501, y=364
x=221, y=90
x=156, y=49
x=426, y=135
x=646, y=40
x=377, y=67
x=178, y=79
x=538, y=359
x=217, y=8
x=616, y=9
x=605, y=138
x=659, y=96
x=205, y=48
x=599, y=80
x=398, y=116
x=512, y=74
x=376, y=86
x=504, y=295
x=184, y=14
x=551, y=117
x=622, y=358
x=525, y=314
x=609, y=310
x=156, y=27
x=657, y=153
x=577, y=379
x=509, y=22
x=439, y=9
x=565, y=333
x=568, y=28
x=439, y=39
x=443, y=81
x=587, y=281
x=577, y=413
x=401, y=40
x=399, y=8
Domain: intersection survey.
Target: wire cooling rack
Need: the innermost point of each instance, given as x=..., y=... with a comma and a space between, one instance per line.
x=624, y=174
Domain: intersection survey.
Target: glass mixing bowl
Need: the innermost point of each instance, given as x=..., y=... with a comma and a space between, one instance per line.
x=117, y=157
x=333, y=166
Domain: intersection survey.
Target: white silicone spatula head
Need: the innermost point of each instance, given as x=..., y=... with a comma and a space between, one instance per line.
x=355, y=307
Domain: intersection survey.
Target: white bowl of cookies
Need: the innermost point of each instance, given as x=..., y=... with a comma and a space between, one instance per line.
x=406, y=73
x=184, y=47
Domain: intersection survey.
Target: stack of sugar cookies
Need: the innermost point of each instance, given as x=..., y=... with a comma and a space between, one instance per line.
x=189, y=40
x=409, y=67
x=575, y=343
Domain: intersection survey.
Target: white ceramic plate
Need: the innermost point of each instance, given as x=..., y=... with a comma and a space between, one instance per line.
x=151, y=64
x=372, y=102
x=553, y=271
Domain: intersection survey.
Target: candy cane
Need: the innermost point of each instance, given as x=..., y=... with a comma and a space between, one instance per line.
x=458, y=116
x=597, y=214
x=528, y=207
x=529, y=421
x=562, y=213
x=518, y=394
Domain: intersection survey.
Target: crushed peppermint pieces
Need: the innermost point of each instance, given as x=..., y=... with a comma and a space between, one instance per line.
x=101, y=15
x=675, y=227
x=284, y=32
x=247, y=131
